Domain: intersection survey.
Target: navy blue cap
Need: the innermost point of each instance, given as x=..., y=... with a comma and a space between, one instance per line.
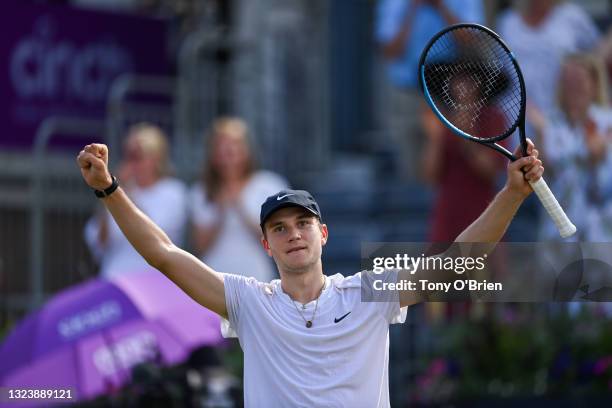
x=288, y=198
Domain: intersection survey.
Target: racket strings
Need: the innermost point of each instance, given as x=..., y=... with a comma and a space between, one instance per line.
x=473, y=82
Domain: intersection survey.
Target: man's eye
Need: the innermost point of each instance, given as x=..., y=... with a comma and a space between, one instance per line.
x=278, y=229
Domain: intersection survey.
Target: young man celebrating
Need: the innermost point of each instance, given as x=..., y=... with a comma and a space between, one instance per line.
x=308, y=339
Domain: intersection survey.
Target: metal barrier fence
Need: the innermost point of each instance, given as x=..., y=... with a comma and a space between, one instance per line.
x=44, y=206
x=45, y=202
x=139, y=98
x=272, y=71
x=203, y=93
x=14, y=242
x=287, y=92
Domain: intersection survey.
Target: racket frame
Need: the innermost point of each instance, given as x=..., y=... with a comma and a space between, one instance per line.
x=550, y=203
x=518, y=123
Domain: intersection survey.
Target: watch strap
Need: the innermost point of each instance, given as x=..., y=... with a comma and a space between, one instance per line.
x=108, y=191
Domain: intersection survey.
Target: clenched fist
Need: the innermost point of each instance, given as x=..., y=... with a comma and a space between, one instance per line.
x=93, y=161
x=524, y=170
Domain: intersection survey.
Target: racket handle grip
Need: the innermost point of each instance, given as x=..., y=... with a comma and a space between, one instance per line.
x=550, y=203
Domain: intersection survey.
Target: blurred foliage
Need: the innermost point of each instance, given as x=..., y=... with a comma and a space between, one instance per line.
x=233, y=358
x=5, y=329
x=519, y=351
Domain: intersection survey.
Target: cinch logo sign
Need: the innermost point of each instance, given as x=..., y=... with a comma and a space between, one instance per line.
x=44, y=66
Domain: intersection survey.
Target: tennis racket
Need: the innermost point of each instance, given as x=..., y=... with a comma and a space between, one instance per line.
x=472, y=82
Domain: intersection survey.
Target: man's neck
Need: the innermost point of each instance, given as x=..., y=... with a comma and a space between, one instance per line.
x=303, y=287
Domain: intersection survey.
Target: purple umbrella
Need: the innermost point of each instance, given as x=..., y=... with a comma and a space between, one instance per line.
x=89, y=337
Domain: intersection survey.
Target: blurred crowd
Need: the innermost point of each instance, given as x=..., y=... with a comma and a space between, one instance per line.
x=221, y=209
x=566, y=62
x=565, y=57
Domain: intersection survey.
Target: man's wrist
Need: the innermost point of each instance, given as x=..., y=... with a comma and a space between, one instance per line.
x=512, y=195
x=109, y=190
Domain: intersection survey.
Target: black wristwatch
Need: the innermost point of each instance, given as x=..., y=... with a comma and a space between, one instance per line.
x=107, y=191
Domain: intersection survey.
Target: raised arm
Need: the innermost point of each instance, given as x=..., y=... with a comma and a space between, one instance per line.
x=492, y=224
x=494, y=221
x=195, y=278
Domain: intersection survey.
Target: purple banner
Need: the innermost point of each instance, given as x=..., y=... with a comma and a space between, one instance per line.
x=61, y=61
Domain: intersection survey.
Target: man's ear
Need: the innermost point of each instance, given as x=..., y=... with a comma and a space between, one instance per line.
x=266, y=245
x=324, y=233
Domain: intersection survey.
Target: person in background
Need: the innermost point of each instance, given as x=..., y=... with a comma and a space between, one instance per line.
x=541, y=33
x=576, y=144
x=145, y=174
x=225, y=203
x=605, y=51
x=464, y=173
x=403, y=28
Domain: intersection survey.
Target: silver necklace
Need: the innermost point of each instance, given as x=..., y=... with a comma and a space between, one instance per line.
x=309, y=322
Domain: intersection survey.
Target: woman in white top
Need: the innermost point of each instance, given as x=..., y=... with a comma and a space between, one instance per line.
x=144, y=175
x=541, y=33
x=576, y=147
x=225, y=204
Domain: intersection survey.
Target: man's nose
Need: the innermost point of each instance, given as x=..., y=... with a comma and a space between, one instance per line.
x=294, y=233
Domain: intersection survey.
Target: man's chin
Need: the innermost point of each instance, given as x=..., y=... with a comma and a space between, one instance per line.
x=298, y=266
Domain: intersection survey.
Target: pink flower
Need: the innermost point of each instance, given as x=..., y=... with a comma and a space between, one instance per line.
x=602, y=365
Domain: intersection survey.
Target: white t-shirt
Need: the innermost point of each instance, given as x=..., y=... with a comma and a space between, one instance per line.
x=341, y=361
x=541, y=49
x=165, y=202
x=237, y=250
x=572, y=178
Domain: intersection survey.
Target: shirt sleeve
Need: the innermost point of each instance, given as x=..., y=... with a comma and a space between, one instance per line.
x=239, y=291
x=387, y=302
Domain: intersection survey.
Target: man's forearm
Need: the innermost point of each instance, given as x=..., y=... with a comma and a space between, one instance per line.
x=488, y=228
x=146, y=237
x=494, y=221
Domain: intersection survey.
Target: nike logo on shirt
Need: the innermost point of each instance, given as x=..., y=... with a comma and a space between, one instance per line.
x=337, y=319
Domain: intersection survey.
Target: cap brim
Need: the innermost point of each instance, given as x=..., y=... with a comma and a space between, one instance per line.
x=285, y=205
